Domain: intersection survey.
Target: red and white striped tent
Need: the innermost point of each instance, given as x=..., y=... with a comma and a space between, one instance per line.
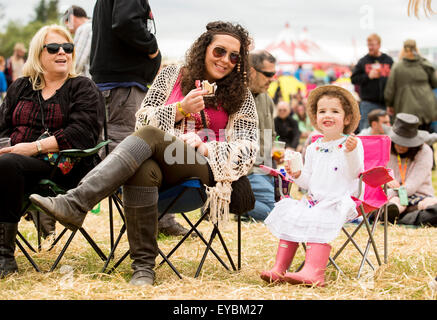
x=291, y=49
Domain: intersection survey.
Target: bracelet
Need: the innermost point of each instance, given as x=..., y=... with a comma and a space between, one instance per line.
x=38, y=146
x=185, y=114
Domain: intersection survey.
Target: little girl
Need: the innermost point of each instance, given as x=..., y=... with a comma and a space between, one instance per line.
x=330, y=175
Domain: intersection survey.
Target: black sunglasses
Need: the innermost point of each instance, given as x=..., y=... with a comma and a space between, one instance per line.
x=53, y=48
x=266, y=73
x=219, y=52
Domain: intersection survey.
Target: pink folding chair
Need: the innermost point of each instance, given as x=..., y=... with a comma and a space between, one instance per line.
x=374, y=199
x=372, y=202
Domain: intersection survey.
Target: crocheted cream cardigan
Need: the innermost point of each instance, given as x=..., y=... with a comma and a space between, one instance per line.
x=229, y=160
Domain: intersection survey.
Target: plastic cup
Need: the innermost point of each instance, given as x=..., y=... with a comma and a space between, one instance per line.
x=5, y=142
x=278, y=149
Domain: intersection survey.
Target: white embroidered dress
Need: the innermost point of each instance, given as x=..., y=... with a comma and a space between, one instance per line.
x=331, y=176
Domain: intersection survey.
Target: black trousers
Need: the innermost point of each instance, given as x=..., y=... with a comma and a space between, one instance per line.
x=19, y=175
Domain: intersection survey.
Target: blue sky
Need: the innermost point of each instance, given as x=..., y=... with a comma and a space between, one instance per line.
x=331, y=23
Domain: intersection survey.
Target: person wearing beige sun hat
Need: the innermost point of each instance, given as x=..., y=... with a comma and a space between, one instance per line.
x=347, y=100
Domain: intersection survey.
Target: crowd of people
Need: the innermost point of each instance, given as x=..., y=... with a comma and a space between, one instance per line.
x=58, y=95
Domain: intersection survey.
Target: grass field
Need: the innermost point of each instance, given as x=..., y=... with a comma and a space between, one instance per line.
x=412, y=263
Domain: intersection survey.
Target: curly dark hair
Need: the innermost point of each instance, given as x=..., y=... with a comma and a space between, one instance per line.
x=232, y=89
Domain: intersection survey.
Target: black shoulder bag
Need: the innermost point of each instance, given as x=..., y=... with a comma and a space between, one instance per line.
x=242, y=197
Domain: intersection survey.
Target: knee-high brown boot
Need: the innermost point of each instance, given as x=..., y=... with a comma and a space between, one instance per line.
x=141, y=210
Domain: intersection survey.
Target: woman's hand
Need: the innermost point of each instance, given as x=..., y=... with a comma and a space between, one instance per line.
x=24, y=148
x=295, y=175
x=351, y=143
x=393, y=184
x=193, y=101
x=194, y=141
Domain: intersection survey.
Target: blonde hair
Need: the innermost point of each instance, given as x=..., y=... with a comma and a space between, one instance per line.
x=33, y=67
x=414, y=6
x=374, y=36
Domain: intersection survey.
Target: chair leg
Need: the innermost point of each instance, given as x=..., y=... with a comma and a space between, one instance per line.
x=119, y=262
x=351, y=239
x=63, y=251
x=371, y=241
x=226, y=250
x=26, y=254
x=93, y=244
x=385, y=234
x=57, y=239
x=117, y=241
x=194, y=227
x=26, y=242
x=239, y=241
x=213, y=234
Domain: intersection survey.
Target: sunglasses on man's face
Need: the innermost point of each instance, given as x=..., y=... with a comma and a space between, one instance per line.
x=219, y=52
x=266, y=73
x=53, y=48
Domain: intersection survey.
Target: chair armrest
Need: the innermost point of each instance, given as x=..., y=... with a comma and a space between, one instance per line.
x=78, y=153
x=274, y=173
x=377, y=176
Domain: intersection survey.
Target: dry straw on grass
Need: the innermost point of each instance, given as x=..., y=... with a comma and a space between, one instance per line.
x=412, y=263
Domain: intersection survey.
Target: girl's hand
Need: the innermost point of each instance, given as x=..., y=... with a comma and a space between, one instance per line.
x=24, y=148
x=193, y=101
x=295, y=175
x=351, y=143
x=393, y=184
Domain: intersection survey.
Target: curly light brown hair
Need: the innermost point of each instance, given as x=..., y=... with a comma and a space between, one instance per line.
x=232, y=89
x=347, y=101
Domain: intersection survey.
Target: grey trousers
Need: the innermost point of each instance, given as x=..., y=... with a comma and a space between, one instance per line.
x=121, y=105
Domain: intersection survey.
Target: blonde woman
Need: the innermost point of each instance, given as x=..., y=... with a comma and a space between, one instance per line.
x=47, y=110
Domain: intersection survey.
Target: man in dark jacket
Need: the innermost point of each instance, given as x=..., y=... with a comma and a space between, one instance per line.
x=124, y=60
x=370, y=74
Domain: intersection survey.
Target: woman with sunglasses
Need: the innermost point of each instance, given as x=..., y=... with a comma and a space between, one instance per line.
x=170, y=144
x=48, y=110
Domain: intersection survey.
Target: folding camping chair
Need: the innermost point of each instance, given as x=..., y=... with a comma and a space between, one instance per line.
x=373, y=201
x=47, y=187
x=184, y=197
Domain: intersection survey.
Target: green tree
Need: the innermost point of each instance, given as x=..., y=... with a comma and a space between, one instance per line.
x=16, y=31
x=41, y=11
x=52, y=10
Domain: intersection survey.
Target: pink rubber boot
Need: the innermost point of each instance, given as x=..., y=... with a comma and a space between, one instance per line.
x=313, y=272
x=284, y=256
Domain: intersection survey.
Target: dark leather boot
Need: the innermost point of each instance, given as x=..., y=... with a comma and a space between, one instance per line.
x=141, y=211
x=71, y=208
x=8, y=232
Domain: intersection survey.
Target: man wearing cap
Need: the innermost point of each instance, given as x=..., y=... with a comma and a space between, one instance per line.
x=370, y=75
x=78, y=23
x=15, y=63
x=411, y=162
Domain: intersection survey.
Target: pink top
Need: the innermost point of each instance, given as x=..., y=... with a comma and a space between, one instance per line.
x=219, y=116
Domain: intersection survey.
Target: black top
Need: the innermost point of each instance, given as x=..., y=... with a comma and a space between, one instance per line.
x=74, y=114
x=122, y=41
x=288, y=131
x=372, y=89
